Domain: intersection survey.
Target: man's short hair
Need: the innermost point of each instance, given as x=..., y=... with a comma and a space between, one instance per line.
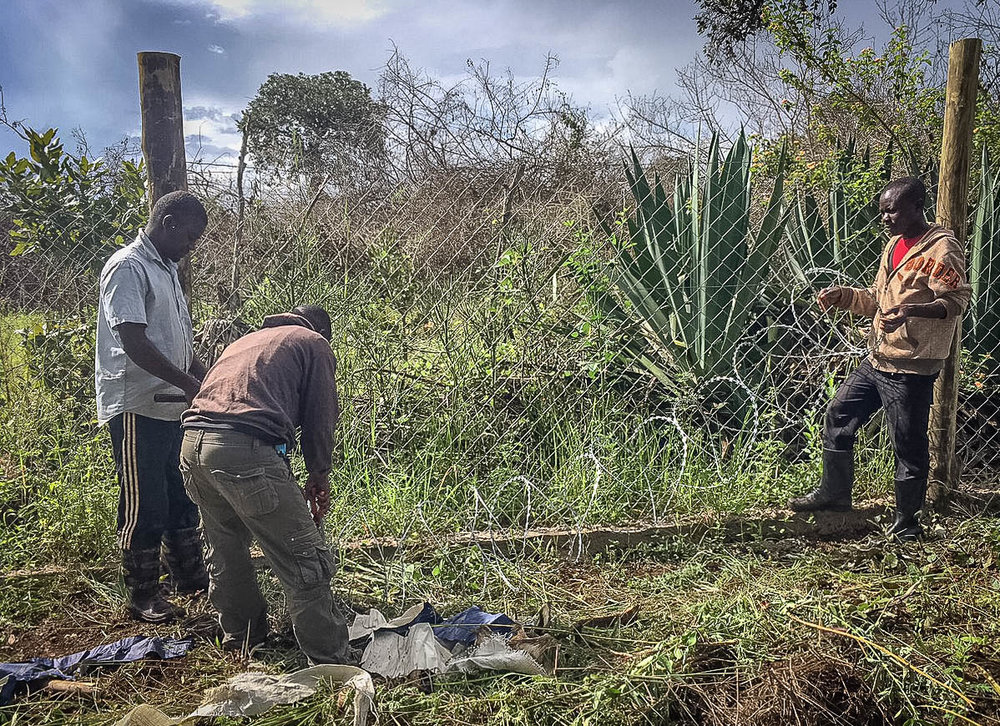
x=910, y=188
x=180, y=204
x=317, y=317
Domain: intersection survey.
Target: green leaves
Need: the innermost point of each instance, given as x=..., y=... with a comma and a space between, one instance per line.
x=692, y=269
x=982, y=333
x=844, y=243
x=74, y=209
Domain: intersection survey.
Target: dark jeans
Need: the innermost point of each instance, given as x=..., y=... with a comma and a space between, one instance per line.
x=151, y=496
x=906, y=399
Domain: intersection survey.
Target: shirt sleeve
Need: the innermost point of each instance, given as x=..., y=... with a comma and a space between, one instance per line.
x=123, y=295
x=949, y=283
x=862, y=301
x=320, y=407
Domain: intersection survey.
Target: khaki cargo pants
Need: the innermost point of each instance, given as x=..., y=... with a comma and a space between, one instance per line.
x=246, y=491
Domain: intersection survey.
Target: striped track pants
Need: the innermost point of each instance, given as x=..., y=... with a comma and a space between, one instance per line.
x=151, y=497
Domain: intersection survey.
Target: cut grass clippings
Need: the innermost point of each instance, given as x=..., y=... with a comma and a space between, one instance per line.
x=755, y=632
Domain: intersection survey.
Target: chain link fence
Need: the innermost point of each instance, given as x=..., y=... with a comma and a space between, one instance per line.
x=561, y=336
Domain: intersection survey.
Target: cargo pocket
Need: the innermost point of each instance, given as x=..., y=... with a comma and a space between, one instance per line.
x=254, y=490
x=315, y=563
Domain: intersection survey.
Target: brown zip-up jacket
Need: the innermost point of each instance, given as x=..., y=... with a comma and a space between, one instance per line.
x=933, y=269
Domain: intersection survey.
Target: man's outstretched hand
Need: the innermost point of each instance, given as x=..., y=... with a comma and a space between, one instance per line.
x=317, y=493
x=831, y=297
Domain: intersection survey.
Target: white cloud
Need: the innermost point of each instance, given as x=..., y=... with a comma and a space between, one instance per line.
x=329, y=13
x=210, y=130
x=216, y=49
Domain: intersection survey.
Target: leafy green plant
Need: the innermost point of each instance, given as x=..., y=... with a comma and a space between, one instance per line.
x=692, y=267
x=846, y=244
x=60, y=355
x=72, y=208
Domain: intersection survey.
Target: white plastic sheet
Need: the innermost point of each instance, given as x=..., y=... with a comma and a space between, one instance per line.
x=495, y=654
x=249, y=694
x=395, y=656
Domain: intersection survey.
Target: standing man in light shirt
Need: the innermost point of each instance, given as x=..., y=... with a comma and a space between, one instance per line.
x=145, y=347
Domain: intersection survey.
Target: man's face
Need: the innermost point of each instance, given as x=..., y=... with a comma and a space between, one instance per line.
x=899, y=214
x=179, y=235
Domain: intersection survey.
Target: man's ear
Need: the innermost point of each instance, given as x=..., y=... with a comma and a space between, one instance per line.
x=169, y=222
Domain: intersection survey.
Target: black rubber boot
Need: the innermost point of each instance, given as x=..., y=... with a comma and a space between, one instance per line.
x=909, y=501
x=834, y=491
x=182, y=550
x=142, y=580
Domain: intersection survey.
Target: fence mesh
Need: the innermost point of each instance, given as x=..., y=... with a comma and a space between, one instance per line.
x=515, y=351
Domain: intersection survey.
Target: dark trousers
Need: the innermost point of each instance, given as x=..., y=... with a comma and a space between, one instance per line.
x=151, y=496
x=906, y=399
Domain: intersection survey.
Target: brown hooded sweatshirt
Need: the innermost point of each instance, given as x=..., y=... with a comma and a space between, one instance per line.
x=933, y=269
x=269, y=383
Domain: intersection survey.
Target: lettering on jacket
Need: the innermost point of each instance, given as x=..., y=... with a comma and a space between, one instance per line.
x=928, y=266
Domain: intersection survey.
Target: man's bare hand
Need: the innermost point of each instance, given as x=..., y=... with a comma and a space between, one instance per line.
x=317, y=493
x=831, y=297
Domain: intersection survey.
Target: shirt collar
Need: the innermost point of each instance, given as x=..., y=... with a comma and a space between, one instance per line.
x=150, y=251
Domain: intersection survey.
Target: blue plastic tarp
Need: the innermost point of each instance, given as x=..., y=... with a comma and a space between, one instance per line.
x=38, y=670
x=462, y=628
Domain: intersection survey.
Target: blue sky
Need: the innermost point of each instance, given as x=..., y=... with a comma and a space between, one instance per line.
x=72, y=63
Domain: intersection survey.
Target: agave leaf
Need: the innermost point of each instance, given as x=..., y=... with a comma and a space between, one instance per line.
x=984, y=263
x=758, y=258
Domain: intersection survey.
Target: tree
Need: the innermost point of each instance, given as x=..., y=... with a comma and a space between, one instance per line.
x=726, y=24
x=69, y=208
x=316, y=125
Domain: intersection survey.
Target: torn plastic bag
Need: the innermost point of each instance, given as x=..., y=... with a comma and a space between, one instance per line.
x=250, y=694
x=39, y=670
x=495, y=654
x=393, y=656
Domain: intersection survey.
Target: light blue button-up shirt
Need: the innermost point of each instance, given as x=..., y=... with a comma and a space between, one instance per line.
x=139, y=286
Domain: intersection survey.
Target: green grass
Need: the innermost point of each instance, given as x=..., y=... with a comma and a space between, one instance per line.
x=451, y=425
x=760, y=632
x=446, y=426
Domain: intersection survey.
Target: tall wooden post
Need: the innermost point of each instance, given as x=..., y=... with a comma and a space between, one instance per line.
x=163, y=131
x=953, y=212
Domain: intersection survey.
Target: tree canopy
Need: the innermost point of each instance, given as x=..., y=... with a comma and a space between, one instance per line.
x=313, y=123
x=727, y=23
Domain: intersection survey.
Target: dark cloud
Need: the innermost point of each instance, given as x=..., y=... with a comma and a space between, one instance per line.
x=73, y=64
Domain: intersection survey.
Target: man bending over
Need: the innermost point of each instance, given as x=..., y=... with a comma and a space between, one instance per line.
x=234, y=456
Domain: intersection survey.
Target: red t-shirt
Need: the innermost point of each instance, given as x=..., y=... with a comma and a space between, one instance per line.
x=903, y=245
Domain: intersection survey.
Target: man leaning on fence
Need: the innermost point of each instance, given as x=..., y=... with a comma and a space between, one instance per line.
x=919, y=293
x=144, y=348
x=237, y=435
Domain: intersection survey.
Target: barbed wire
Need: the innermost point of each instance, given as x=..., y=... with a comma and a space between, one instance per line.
x=484, y=389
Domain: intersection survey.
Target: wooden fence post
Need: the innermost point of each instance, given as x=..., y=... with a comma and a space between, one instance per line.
x=953, y=212
x=163, y=132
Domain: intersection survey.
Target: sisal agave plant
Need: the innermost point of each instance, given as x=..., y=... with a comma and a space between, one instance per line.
x=693, y=268
x=844, y=247
x=983, y=318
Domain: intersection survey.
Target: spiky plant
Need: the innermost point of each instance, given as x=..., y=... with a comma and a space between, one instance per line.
x=693, y=267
